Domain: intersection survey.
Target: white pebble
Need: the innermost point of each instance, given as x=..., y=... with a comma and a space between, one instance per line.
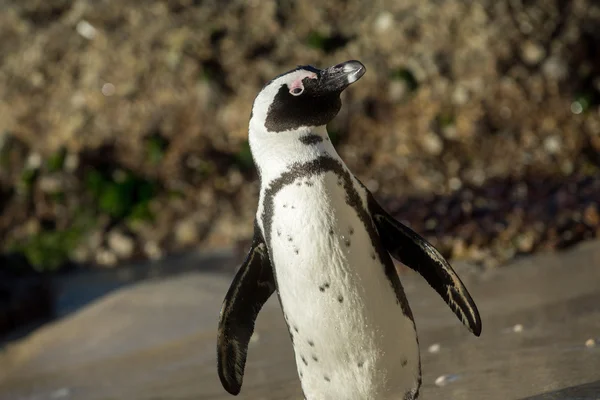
x=532, y=52
x=434, y=348
x=34, y=161
x=86, y=29
x=372, y=185
x=590, y=343
x=576, y=107
x=555, y=68
x=71, y=162
x=153, y=250
x=454, y=183
x=384, y=21
x=121, y=244
x=552, y=144
x=106, y=257
x=60, y=393
x=432, y=143
x=443, y=380
x=517, y=328
x=460, y=95
x=108, y=89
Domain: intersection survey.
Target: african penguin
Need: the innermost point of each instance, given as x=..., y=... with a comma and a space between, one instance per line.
x=323, y=243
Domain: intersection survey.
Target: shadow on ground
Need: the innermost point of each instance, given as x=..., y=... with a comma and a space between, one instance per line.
x=581, y=392
x=66, y=293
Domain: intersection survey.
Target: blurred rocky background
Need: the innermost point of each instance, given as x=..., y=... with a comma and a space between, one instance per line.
x=123, y=124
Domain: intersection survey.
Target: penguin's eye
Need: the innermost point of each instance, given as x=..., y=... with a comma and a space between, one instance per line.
x=297, y=91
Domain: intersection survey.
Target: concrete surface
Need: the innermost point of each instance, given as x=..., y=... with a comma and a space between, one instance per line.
x=156, y=339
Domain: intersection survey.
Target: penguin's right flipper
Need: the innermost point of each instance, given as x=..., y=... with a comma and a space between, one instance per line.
x=415, y=252
x=251, y=288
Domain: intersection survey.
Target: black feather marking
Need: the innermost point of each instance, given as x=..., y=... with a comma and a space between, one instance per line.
x=252, y=286
x=310, y=139
x=414, y=251
x=291, y=112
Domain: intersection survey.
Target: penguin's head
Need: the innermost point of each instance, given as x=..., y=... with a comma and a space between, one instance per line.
x=304, y=97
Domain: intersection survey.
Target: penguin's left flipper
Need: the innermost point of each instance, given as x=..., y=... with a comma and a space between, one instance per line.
x=252, y=286
x=415, y=252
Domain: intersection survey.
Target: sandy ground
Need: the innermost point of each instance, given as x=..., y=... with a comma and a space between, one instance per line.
x=156, y=339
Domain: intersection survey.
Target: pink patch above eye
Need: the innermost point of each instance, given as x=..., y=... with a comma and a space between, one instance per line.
x=298, y=82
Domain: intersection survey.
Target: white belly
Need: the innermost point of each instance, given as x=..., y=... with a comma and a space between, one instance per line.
x=351, y=339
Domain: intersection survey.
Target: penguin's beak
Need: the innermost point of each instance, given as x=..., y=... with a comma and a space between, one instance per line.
x=337, y=78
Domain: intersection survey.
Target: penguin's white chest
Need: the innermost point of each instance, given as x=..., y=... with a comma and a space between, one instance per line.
x=351, y=338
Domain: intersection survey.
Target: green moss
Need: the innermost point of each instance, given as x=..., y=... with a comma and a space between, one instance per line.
x=446, y=119
x=205, y=75
x=121, y=197
x=406, y=75
x=176, y=194
x=141, y=212
x=57, y=197
x=243, y=158
x=28, y=177
x=206, y=168
x=49, y=250
x=56, y=161
x=584, y=100
x=4, y=149
x=155, y=148
x=316, y=40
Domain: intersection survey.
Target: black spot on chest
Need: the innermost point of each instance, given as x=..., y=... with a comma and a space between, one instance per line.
x=311, y=169
x=291, y=112
x=310, y=139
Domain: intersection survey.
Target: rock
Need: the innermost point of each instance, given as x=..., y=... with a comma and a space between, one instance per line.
x=532, y=53
x=552, y=144
x=34, y=160
x=71, y=162
x=525, y=242
x=443, y=380
x=591, y=215
x=108, y=89
x=60, y=393
x=576, y=107
x=121, y=244
x=153, y=250
x=86, y=29
x=383, y=22
x=460, y=95
x=434, y=348
x=555, y=68
x=454, y=183
x=186, y=232
x=50, y=184
x=432, y=143
x=106, y=258
x=459, y=249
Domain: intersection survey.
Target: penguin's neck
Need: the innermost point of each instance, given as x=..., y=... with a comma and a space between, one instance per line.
x=276, y=152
